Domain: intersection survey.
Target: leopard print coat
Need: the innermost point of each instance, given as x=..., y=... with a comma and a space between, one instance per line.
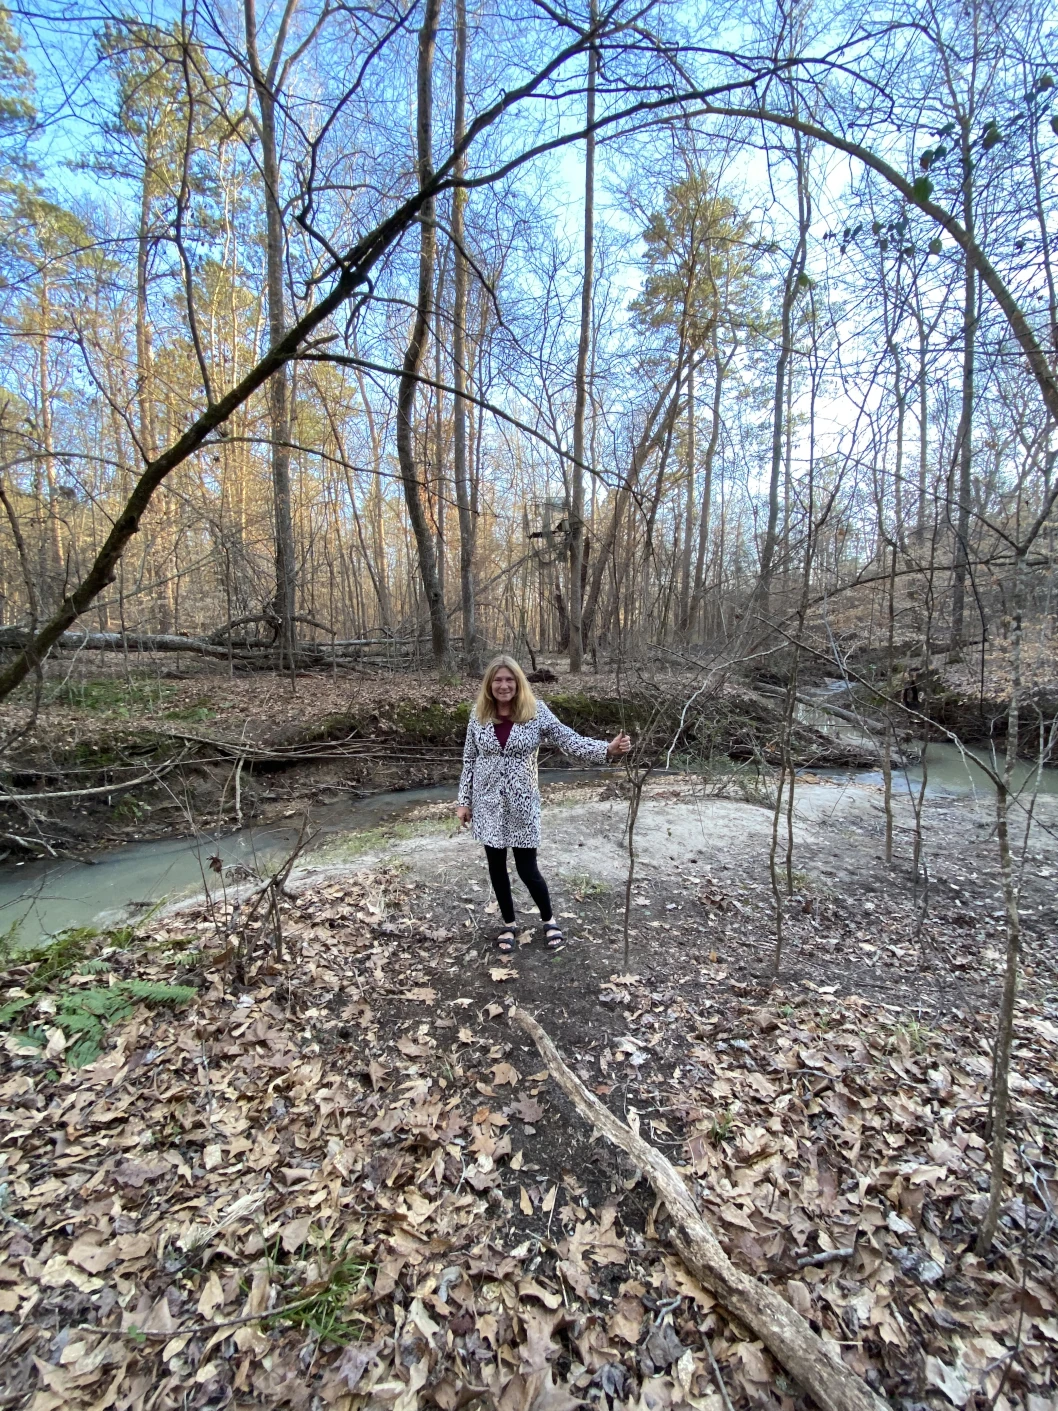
x=500, y=786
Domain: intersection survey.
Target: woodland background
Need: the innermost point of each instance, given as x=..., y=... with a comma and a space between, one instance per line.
x=591, y=332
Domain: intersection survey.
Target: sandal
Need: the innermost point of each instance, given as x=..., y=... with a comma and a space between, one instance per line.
x=505, y=940
x=553, y=936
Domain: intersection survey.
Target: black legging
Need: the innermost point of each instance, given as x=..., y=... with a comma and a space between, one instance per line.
x=525, y=862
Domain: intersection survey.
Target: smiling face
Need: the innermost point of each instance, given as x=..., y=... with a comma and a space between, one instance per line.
x=504, y=687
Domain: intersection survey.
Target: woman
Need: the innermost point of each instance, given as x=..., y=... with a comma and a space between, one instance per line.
x=499, y=789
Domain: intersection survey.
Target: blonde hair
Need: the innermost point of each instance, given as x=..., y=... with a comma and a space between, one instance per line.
x=523, y=707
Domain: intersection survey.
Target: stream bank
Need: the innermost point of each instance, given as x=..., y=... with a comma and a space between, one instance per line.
x=111, y=760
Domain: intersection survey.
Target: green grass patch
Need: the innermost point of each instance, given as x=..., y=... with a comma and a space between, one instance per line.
x=407, y=723
x=112, y=696
x=378, y=840
x=323, y=1308
x=583, y=885
x=198, y=710
x=433, y=724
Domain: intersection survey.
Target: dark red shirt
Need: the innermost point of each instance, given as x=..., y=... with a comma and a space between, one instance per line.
x=503, y=730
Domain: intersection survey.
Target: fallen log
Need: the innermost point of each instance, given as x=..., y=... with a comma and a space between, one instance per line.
x=151, y=777
x=349, y=747
x=243, y=651
x=19, y=637
x=785, y=1334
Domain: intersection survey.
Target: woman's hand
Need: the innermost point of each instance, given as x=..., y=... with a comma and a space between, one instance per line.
x=463, y=814
x=619, y=745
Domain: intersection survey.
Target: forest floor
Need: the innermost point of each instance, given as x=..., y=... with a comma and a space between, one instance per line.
x=344, y=1178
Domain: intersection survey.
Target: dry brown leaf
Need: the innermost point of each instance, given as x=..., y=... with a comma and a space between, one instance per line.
x=91, y=1256
x=211, y=1297
x=59, y=1271
x=626, y=1321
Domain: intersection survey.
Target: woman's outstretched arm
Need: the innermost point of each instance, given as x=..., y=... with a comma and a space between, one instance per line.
x=569, y=742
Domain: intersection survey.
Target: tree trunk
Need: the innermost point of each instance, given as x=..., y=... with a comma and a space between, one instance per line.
x=688, y=525
x=652, y=437
x=374, y=507
x=417, y=345
x=144, y=352
x=439, y=493
x=791, y=287
x=1008, y=871
x=964, y=439
x=576, y=501
x=719, y=369
x=279, y=398
x=471, y=647
x=53, y=575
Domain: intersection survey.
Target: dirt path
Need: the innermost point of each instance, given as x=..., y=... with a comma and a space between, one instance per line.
x=703, y=885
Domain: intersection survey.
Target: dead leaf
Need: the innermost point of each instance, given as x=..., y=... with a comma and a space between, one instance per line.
x=661, y=1348
x=626, y=1321
x=295, y=1233
x=947, y=1380
x=59, y=1271
x=92, y=1256
x=421, y=994
x=160, y=1320
x=211, y=1297
x=528, y=1109
x=529, y=1288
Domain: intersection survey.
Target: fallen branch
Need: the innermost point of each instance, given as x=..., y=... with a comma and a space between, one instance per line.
x=783, y=1331
x=151, y=776
x=828, y=1256
x=350, y=747
x=20, y=637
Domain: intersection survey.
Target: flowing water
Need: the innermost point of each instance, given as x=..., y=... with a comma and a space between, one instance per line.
x=40, y=898
x=948, y=770
x=958, y=774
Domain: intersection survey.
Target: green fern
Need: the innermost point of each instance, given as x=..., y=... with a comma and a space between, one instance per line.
x=85, y=1015
x=151, y=993
x=67, y=952
x=13, y=1007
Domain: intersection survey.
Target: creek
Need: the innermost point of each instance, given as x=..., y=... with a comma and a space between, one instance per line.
x=949, y=771
x=957, y=774
x=42, y=897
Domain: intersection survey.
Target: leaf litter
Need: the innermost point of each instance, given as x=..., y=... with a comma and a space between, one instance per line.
x=339, y=1183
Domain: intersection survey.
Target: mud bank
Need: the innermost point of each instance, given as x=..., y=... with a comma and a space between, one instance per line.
x=112, y=760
